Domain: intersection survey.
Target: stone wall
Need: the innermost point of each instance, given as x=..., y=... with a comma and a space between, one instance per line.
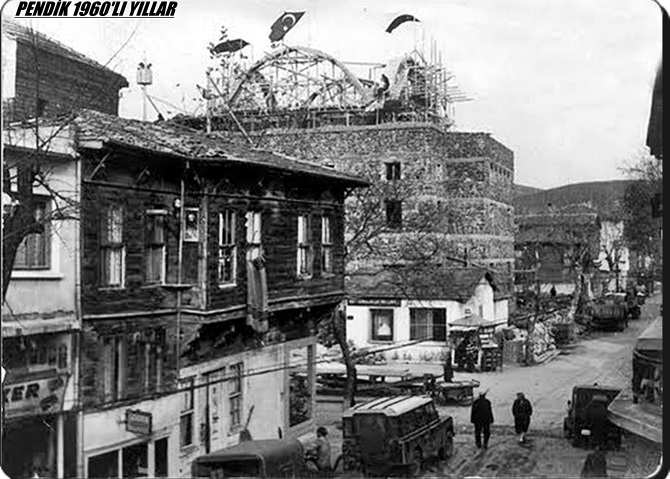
x=456, y=185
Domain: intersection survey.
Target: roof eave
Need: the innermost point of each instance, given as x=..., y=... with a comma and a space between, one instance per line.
x=101, y=143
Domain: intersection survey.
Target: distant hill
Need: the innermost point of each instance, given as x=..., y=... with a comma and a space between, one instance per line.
x=525, y=190
x=604, y=197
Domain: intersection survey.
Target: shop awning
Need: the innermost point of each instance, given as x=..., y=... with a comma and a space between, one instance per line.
x=13, y=328
x=642, y=418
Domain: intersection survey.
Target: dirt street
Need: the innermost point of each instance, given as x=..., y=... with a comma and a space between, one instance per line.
x=602, y=357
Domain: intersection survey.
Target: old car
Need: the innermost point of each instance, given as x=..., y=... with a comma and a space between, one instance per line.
x=260, y=458
x=587, y=422
x=396, y=434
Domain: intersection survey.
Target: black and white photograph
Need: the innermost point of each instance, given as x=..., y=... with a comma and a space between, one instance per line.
x=332, y=239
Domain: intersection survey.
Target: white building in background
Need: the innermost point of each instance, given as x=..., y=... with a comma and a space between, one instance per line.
x=387, y=308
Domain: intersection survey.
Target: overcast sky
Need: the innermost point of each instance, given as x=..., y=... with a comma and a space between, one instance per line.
x=566, y=84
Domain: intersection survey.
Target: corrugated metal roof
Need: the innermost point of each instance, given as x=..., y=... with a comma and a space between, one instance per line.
x=173, y=140
x=391, y=406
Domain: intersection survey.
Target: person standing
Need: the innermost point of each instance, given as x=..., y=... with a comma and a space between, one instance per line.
x=521, y=410
x=321, y=450
x=482, y=417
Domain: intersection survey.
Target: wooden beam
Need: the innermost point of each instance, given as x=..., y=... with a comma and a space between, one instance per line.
x=99, y=166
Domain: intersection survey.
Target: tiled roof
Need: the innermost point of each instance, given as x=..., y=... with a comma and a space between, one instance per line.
x=566, y=228
x=25, y=34
x=418, y=282
x=171, y=140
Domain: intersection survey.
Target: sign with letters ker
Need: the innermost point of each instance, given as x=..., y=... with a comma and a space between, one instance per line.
x=35, y=397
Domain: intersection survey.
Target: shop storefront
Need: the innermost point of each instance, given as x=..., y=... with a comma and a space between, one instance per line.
x=39, y=431
x=141, y=440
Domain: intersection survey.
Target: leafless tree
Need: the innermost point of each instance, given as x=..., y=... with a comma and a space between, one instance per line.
x=28, y=145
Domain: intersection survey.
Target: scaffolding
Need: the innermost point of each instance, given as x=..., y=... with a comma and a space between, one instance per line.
x=301, y=87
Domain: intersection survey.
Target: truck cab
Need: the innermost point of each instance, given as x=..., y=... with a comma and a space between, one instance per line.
x=587, y=422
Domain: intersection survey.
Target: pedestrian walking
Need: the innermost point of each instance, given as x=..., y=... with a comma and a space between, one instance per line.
x=482, y=417
x=521, y=410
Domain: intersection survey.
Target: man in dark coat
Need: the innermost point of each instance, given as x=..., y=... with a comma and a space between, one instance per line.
x=521, y=410
x=482, y=417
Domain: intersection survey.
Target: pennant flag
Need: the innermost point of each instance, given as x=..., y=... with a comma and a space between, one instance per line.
x=283, y=24
x=230, y=46
x=399, y=20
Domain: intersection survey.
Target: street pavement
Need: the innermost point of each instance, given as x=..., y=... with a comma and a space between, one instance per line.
x=599, y=357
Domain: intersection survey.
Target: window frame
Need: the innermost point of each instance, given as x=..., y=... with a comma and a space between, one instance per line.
x=235, y=395
x=431, y=326
x=114, y=368
x=326, y=246
x=187, y=389
x=227, y=241
x=304, y=256
x=374, y=335
x=393, y=214
x=43, y=239
x=151, y=246
x=108, y=245
x=393, y=170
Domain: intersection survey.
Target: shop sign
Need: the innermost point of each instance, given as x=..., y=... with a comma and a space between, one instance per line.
x=35, y=397
x=374, y=302
x=138, y=422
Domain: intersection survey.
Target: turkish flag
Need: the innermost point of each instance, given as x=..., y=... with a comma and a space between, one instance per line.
x=283, y=24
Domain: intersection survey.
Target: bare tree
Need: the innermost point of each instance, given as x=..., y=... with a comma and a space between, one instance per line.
x=28, y=171
x=642, y=199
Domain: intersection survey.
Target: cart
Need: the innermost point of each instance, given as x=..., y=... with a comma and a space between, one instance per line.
x=443, y=392
x=378, y=381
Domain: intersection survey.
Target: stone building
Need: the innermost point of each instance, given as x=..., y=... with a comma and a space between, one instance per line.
x=44, y=78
